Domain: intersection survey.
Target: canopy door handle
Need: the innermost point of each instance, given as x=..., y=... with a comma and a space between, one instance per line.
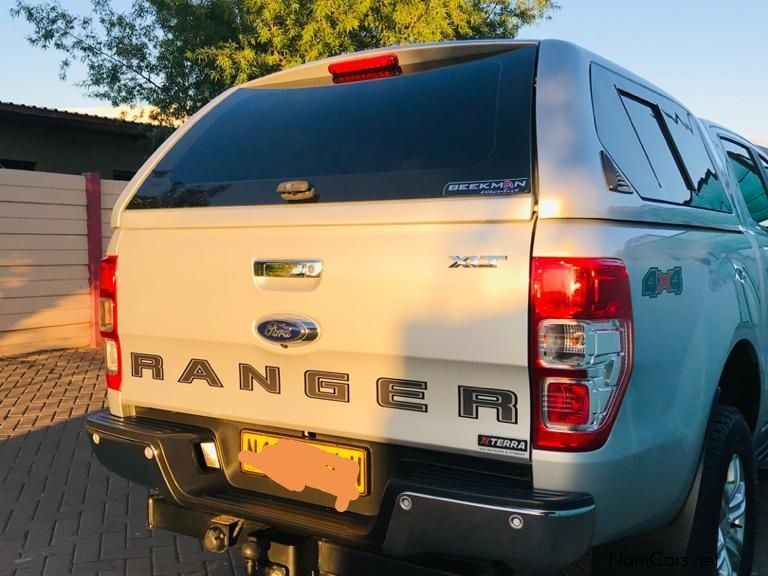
x=287, y=268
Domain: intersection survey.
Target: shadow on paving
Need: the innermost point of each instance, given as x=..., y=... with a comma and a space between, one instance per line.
x=62, y=513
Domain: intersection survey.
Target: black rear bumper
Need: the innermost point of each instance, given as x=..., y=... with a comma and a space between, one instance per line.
x=421, y=505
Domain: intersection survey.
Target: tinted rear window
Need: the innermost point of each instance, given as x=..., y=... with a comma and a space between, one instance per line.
x=395, y=138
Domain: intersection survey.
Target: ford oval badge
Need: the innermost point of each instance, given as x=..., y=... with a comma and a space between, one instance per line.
x=287, y=330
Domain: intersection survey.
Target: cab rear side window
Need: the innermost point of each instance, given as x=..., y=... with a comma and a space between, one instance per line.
x=656, y=143
x=411, y=136
x=747, y=174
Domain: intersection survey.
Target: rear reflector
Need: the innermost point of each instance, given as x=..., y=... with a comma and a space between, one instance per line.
x=383, y=66
x=566, y=403
x=112, y=363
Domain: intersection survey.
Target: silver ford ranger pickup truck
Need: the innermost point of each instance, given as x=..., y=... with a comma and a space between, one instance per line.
x=522, y=289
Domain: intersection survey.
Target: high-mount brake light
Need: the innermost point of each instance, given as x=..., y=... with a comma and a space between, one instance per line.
x=382, y=66
x=108, y=322
x=580, y=350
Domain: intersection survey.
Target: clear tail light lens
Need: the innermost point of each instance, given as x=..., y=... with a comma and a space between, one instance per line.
x=581, y=350
x=111, y=357
x=562, y=343
x=106, y=315
x=108, y=321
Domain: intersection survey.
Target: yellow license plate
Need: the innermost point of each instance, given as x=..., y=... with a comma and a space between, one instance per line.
x=255, y=442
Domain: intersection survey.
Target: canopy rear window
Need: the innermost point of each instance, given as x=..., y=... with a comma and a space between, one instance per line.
x=411, y=136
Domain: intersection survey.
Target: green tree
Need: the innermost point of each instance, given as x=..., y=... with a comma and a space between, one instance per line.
x=176, y=55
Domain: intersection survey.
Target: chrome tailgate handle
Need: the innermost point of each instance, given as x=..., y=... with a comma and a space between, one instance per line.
x=287, y=268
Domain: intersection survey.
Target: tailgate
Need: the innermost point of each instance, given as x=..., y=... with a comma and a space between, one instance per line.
x=388, y=305
x=404, y=315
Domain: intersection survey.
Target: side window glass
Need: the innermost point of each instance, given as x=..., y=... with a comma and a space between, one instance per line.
x=647, y=122
x=658, y=145
x=617, y=135
x=747, y=176
x=707, y=190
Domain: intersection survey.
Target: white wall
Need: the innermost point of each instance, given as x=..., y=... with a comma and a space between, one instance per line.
x=44, y=296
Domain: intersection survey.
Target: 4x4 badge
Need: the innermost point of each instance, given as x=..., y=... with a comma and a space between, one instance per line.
x=656, y=282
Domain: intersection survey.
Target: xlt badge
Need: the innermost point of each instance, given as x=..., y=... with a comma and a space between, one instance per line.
x=476, y=261
x=287, y=331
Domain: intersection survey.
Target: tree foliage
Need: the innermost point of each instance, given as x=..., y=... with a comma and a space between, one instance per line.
x=176, y=55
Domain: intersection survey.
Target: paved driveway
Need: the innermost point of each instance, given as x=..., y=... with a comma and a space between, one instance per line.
x=62, y=513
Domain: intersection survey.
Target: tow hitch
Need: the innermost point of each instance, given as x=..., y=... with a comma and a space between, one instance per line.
x=270, y=552
x=253, y=552
x=223, y=533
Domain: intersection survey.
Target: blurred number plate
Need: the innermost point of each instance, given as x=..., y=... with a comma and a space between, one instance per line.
x=255, y=442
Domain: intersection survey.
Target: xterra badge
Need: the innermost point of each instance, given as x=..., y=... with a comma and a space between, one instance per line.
x=501, y=445
x=504, y=187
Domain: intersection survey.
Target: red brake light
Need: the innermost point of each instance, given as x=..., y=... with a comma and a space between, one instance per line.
x=108, y=321
x=580, y=350
x=382, y=66
x=108, y=276
x=580, y=288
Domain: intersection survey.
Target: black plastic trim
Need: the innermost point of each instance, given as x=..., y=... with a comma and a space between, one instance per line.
x=480, y=487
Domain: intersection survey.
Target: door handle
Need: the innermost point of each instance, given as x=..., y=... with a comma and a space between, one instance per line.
x=287, y=268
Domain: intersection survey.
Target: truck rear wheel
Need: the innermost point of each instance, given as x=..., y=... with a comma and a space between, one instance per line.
x=723, y=533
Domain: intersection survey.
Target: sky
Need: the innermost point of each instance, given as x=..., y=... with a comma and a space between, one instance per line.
x=710, y=54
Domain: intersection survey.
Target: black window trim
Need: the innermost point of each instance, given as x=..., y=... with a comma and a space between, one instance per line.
x=762, y=164
x=753, y=154
x=16, y=164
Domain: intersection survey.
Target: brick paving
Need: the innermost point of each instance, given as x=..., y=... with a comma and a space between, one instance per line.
x=62, y=513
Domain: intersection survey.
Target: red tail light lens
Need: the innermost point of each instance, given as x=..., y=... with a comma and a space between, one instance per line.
x=580, y=288
x=382, y=66
x=108, y=322
x=108, y=276
x=566, y=403
x=581, y=350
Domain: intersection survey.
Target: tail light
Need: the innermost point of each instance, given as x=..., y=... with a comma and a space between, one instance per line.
x=382, y=66
x=581, y=350
x=108, y=322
